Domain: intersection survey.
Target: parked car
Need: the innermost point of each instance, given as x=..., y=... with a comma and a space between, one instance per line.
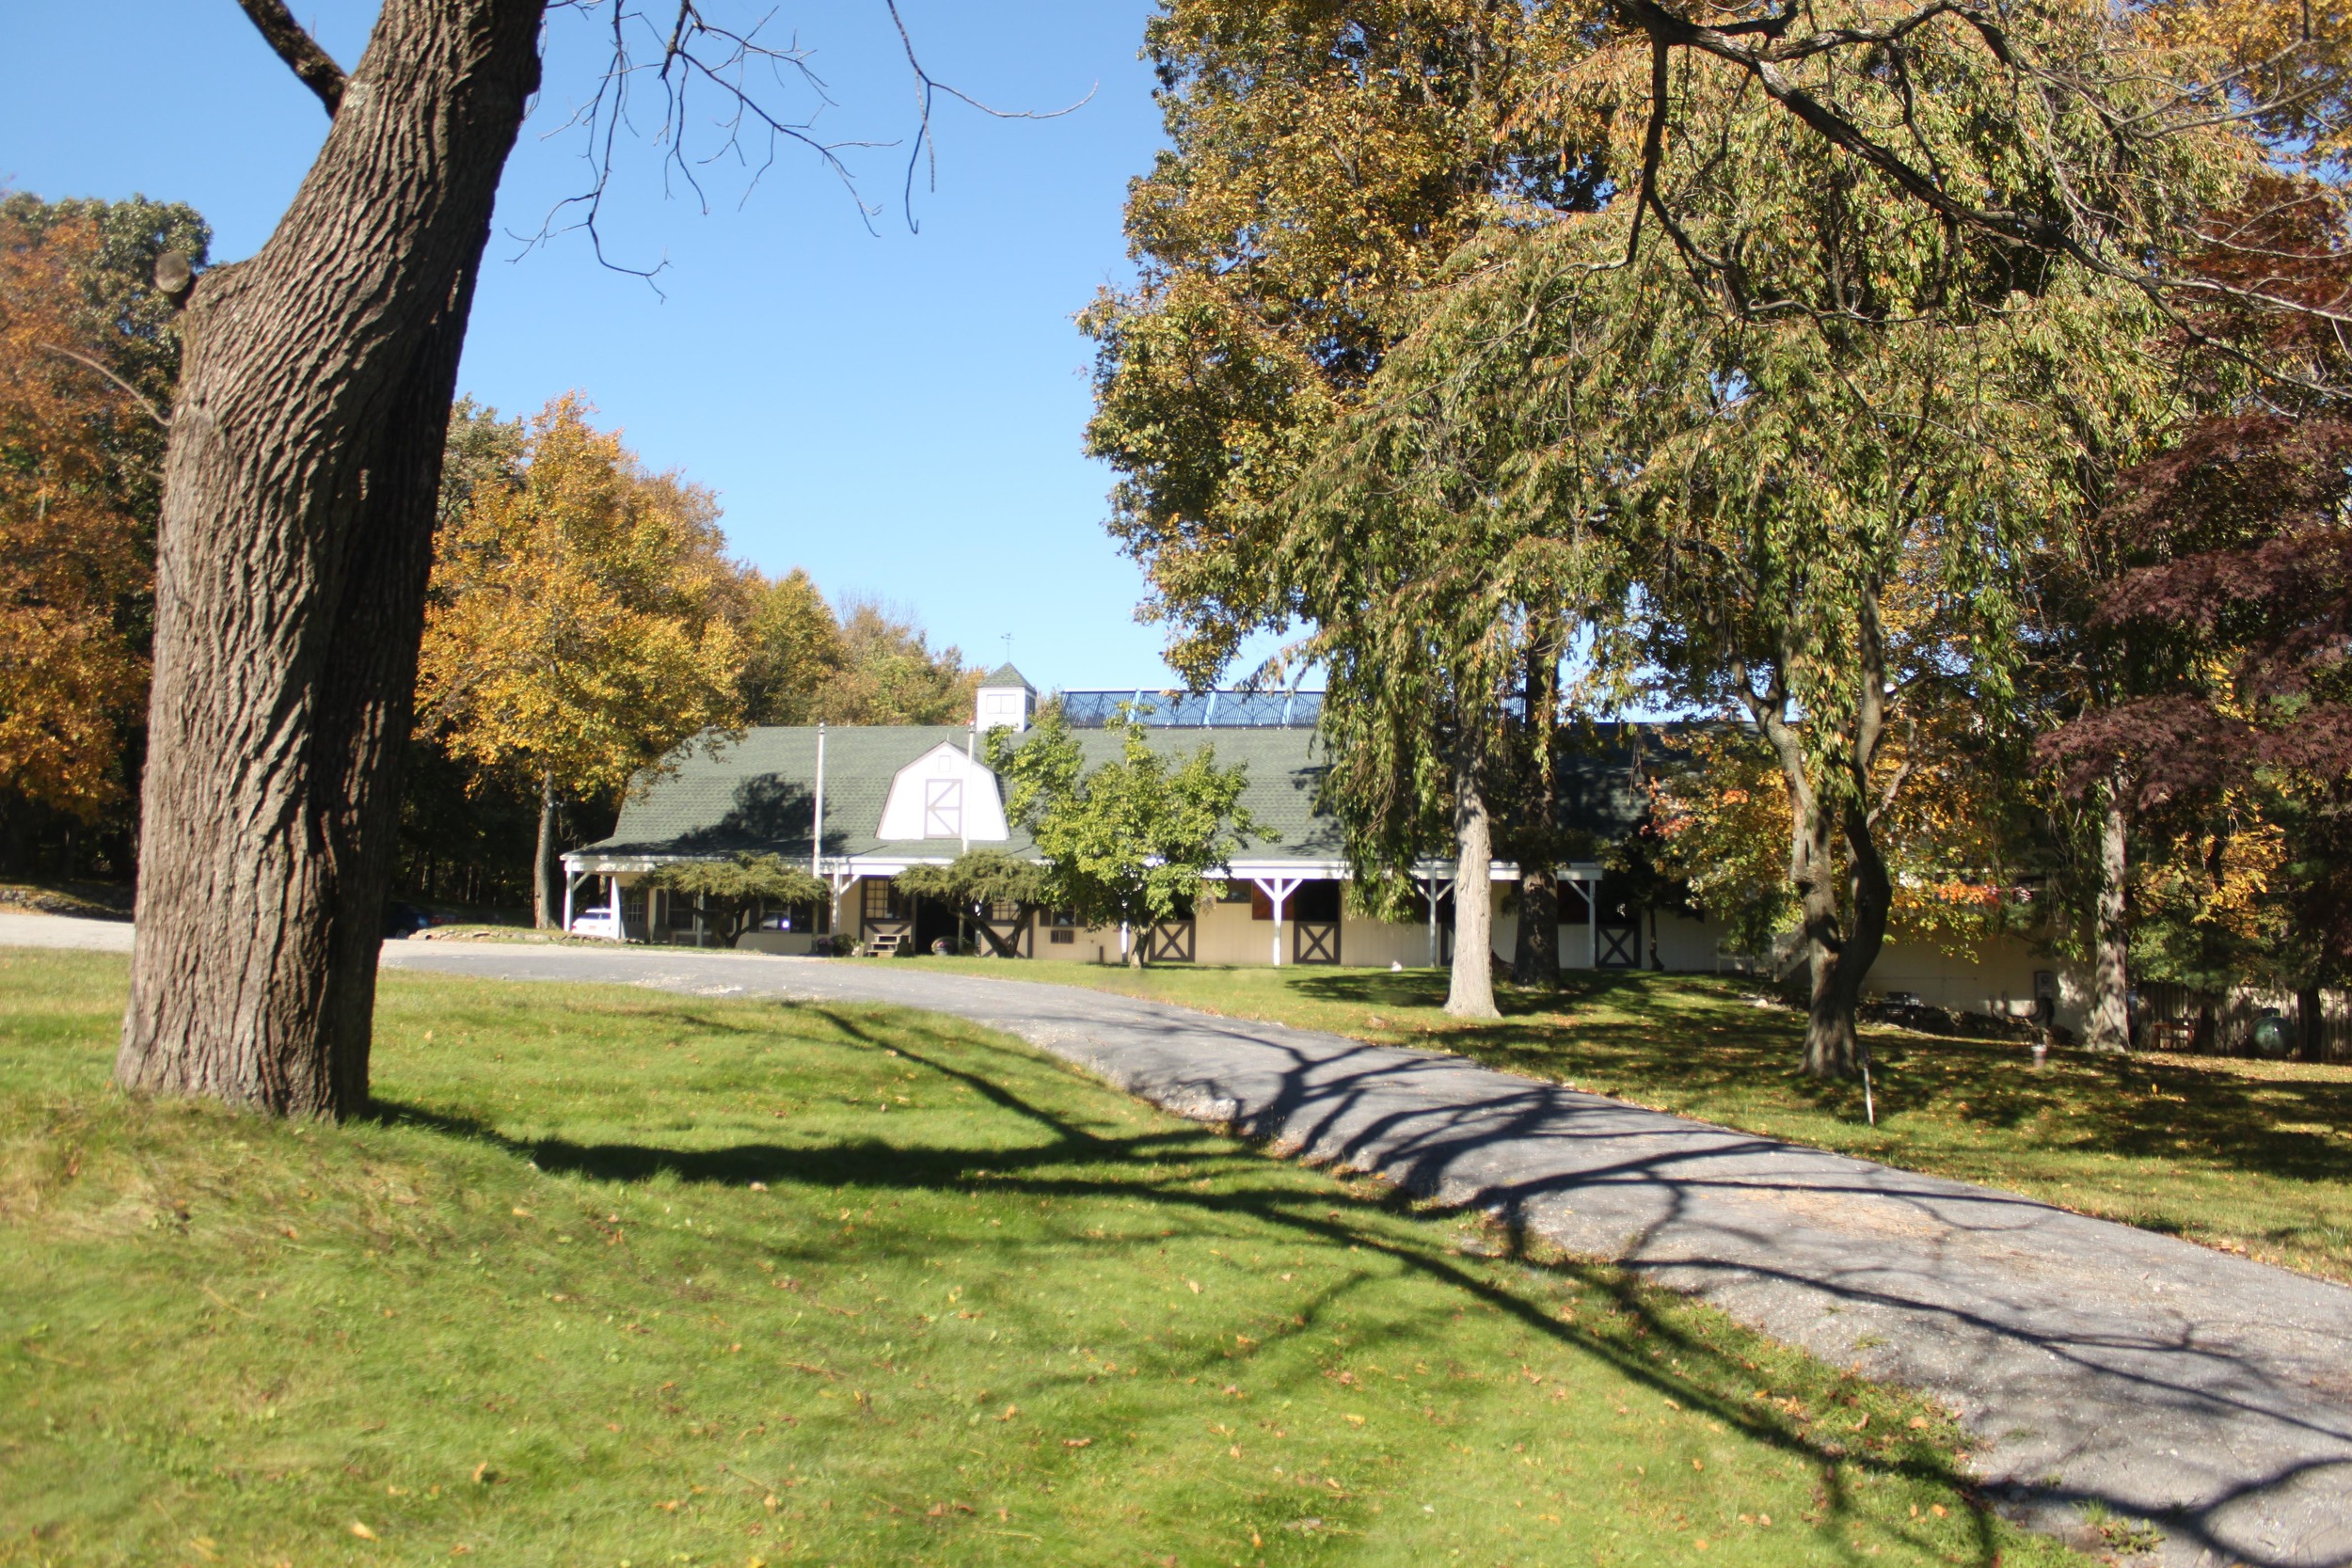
x=601, y=924
x=403, y=921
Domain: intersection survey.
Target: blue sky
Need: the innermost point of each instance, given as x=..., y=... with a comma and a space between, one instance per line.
x=898, y=413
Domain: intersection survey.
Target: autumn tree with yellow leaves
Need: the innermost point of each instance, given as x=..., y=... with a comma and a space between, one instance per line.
x=70, y=672
x=88, y=359
x=863, y=662
x=578, y=631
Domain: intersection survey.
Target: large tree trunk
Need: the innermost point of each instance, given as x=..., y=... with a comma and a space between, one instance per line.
x=1535, y=956
x=1472, y=992
x=2109, y=1026
x=546, y=891
x=296, y=535
x=2310, y=1018
x=1833, y=1047
x=1838, y=960
x=1841, y=957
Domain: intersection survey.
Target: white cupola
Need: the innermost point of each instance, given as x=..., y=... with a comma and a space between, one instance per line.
x=1006, y=700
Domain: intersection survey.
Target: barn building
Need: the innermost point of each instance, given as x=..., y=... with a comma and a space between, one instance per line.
x=860, y=805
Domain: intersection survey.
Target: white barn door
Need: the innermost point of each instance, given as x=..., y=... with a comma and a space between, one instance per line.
x=942, y=808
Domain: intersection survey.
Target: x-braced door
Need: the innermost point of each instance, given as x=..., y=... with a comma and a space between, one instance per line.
x=1315, y=942
x=1169, y=942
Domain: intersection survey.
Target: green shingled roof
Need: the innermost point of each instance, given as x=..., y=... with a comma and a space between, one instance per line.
x=758, y=792
x=755, y=793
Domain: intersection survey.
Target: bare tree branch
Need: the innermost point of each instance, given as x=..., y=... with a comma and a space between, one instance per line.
x=679, y=54
x=683, y=49
x=299, y=49
x=153, y=413
x=927, y=88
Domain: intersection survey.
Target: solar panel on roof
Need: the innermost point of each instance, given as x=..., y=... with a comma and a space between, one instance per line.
x=1195, y=710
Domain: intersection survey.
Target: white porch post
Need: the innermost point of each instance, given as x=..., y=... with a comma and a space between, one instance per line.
x=840, y=880
x=1591, y=923
x=571, y=881
x=1434, y=887
x=613, y=892
x=1278, y=891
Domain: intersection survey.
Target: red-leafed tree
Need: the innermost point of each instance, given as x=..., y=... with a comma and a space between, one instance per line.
x=2247, y=574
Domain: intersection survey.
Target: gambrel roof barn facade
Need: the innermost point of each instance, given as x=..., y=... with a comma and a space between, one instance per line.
x=861, y=806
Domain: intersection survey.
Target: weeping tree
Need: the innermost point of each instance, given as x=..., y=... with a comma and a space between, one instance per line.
x=1788, y=470
x=1441, y=586
x=1813, y=578
x=1829, y=558
x=300, y=482
x=977, y=881
x=1329, y=163
x=739, y=890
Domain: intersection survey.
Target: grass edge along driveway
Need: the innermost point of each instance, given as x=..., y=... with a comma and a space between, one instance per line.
x=619, y=1275
x=2249, y=1157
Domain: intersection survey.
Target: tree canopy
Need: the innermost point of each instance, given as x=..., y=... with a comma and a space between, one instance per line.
x=1130, y=841
x=979, y=878
x=1723, y=433
x=88, y=363
x=867, y=663
x=577, y=635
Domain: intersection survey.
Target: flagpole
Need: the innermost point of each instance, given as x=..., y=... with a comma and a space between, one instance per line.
x=816, y=830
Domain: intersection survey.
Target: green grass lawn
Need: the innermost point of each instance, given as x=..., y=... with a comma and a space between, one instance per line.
x=623, y=1277
x=2251, y=1157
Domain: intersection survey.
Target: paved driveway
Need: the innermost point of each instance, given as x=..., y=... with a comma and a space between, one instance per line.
x=49, y=931
x=2094, y=1363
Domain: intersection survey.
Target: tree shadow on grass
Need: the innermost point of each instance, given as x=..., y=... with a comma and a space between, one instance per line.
x=2141, y=1108
x=1162, y=1167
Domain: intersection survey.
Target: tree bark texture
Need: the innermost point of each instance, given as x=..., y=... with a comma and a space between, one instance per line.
x=1831, y=1045
x=296, y=535
x=1842, y=936
x=547, y=893
x=2109, y=1026
x=1535, y=953
x=2310, y=1018
x=1470, y=991
x=1870, y=897
x=1536, y=956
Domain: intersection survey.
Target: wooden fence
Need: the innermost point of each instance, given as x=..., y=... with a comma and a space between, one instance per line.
x=2221, y=1023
